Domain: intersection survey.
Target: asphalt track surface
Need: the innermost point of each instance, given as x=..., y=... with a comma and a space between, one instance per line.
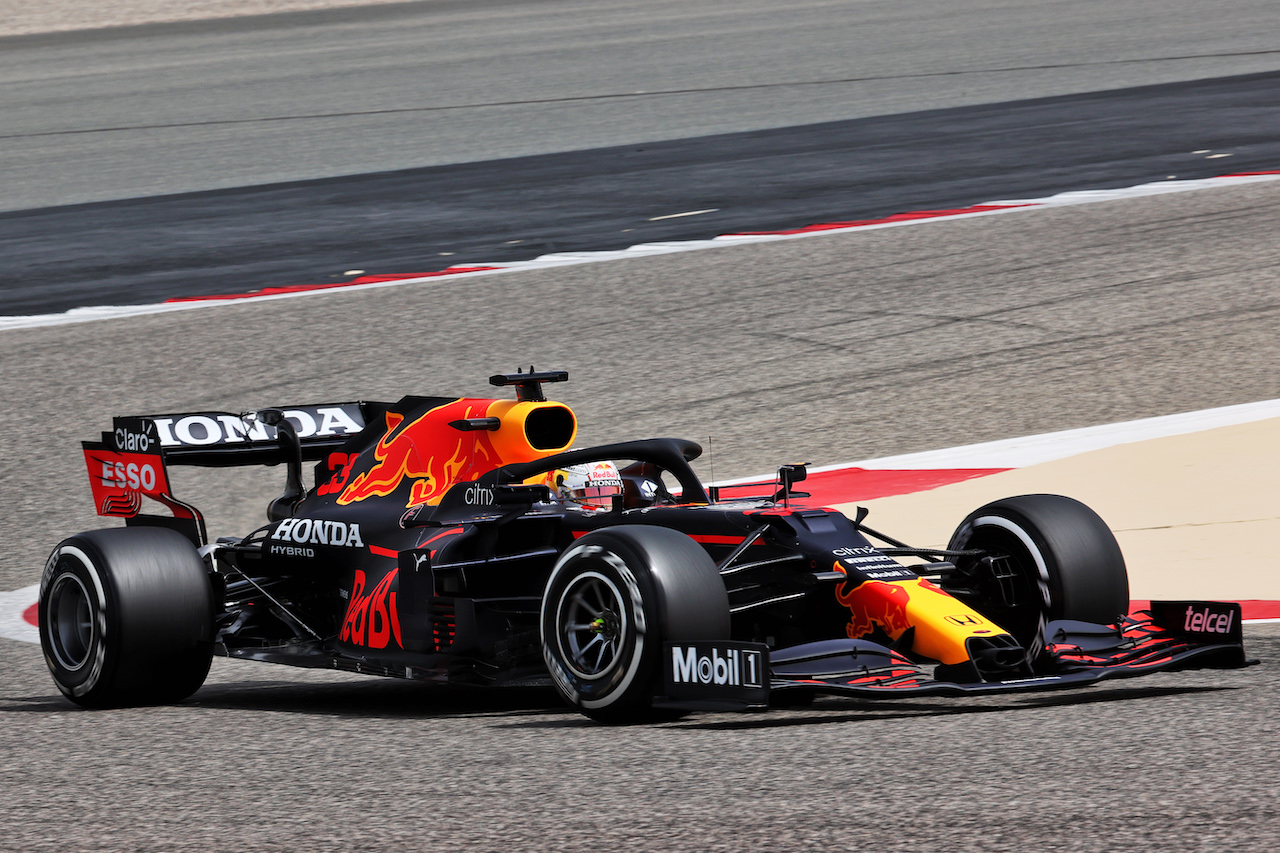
x=232, y=241
x=825, y=349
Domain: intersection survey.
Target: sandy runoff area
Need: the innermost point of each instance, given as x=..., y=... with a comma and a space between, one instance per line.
x=1196, y=515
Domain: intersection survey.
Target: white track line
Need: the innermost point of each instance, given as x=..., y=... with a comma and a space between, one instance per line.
x=108, y=312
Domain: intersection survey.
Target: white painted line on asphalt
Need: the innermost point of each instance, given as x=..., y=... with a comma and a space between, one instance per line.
x=679, y=215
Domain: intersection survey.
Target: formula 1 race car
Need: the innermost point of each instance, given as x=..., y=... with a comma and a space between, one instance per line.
x=461, y=541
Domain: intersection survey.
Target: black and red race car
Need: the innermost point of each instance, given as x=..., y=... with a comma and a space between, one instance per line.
x=462, y=541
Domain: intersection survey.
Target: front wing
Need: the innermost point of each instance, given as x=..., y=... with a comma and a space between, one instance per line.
x=1170, y=636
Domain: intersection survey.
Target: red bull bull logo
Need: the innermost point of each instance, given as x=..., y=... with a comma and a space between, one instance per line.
x=430, y=454
x=874, y=603
x=427, y=453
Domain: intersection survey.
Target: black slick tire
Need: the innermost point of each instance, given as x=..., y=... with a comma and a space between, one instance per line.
x=612, y=599
x=126, y=617
x=1067, y=562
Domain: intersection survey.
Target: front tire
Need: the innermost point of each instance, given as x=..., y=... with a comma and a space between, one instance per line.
x=612, y=600
x=126, y=617
x=1066, y=561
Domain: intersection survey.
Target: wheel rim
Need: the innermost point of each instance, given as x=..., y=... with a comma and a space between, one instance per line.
x=1023, y=620
x=71, y=621
x=591, y=625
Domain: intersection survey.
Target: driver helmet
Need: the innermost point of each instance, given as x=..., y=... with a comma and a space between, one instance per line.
x=590, y=486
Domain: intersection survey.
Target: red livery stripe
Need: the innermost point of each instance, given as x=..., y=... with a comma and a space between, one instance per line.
x=712, y=539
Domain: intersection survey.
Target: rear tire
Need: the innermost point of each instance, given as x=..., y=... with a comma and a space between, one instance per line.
x=1067, y=562
x=612, y=600
x=126, y=617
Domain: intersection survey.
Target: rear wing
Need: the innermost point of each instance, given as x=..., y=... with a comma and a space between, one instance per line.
x=218, y=439
x=131, y=460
